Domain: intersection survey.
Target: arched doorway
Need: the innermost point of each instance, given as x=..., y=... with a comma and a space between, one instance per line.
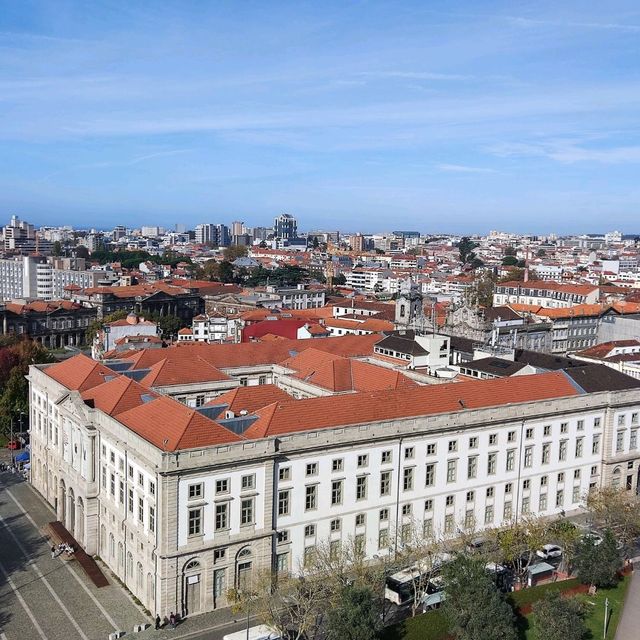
x=615, y=478
x=191, y=589
x=62, y=516
x=244, y=566
x=71, y=513
x=80, y=528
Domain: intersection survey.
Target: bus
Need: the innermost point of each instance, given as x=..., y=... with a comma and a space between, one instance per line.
x=400, y=587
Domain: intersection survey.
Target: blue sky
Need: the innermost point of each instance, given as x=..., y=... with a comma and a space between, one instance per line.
x=438, y=116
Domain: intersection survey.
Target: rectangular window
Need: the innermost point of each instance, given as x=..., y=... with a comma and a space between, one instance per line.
x=561, y=476
x=385, y=457
x=493, y=439
x=453, y=446
x=407, y=479
x=337, y=464
x=562, y=451
x=409, y=453
x=576, y=495
x=526, y=504
x=363, y=460
x=284, y=502
x=546, y=430
x=312, y=469
x=564, y=427
x=542, y=502
x=621, y=420
x=580, y=425
x=511, y=437
x=385, y=483
x=491, y=463
x=428, y=504
x=579, y=447
x=131, y=472
x=222, y=486
x=140, y=479
x=595, y=446
x=469, y=519
x=596, y=423
x=335, y=525
x=222, y=516
x=246, y=511
x=121, y=491
x=472, y=467
x=490, y=492
x=361, y=488
x=152, y=519
x=451, y=470
x=448, y=523
x=152, y=488
x=383, y=538
x=473, y=442
x=508, y=488
x=470, y=496
x=633, y=441
x=511, y=459
x=528, y=457
x=283, y=536
x=507, y=512
x=430, y=475
x=195, y=522
x=546, y=453
x=559, y=497
x=619, y=441
x=529, y=433
x=431, y=449
x=594, y=470
x=309, y=556
x=427, y=528
x=282, y=562
x=130, y=501
x=310, y=530
x=284, y=473
x=384, y=514
x=195, y=491
x=360, y=519
x=488, y=514
x=140, y=510
x=406, y=509
x=449, y=501
x=336, y=492
x=112, y=484
x=248, y=482
x=311, y=497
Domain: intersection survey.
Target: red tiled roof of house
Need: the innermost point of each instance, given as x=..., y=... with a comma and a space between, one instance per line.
x=42, y=306
x=118, y=395
x=79, y=373
x=172, y=426
x=251, y=399
x=603, y=349
x=550, y=285
x=363, y=408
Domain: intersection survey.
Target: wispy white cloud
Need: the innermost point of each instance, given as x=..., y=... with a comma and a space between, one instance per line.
x=462, y=168
x=570, y=153
x=415, y=75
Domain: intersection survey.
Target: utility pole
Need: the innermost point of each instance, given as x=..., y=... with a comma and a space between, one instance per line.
x=606, y=615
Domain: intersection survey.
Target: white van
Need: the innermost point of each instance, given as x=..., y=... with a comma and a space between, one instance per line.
x=261, y=632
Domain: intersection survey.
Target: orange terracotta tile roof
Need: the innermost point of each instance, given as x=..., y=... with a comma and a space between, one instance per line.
x=363, y=408
x=578, y=310
x=79, y=373
x=550, y=285
x=172, y=426
x=603, y=349
x=118, y=395
x=42, y=306
x=251, y=399
x=172, y=370
x=232, y=355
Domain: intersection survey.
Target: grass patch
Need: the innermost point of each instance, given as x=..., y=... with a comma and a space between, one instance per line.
x=427, y=626
x=594, y=610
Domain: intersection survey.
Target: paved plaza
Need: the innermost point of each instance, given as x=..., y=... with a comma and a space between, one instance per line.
x=45, y=598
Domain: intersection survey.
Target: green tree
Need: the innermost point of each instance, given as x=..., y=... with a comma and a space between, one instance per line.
x=510, y=251
x=235, y=251
x=567, y=535
x=81, y=251
x=541, y=253
x=169, y=324
x=339, y=279
x=356, y=616
x=558, y=618
x=465, y=248
x=598, y=563
x=57, y=248
x=226, y=273
x=509, y=261
x=474, y=607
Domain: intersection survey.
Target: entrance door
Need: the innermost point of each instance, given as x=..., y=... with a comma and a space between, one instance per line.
x=192, y=594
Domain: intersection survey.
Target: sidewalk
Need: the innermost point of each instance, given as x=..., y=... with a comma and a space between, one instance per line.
x=630, y=621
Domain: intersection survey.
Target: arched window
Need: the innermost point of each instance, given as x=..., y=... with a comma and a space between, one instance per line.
x=615, y=480
x=402, y=310
x=191, y=565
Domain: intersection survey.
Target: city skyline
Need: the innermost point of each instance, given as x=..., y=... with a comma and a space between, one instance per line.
x=440, y=118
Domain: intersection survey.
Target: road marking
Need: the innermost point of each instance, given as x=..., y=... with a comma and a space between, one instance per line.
x=22, y=602
x=69, y=569
x=44, y=581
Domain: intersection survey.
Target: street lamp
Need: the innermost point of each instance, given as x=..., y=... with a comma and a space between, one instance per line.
x=107, y=330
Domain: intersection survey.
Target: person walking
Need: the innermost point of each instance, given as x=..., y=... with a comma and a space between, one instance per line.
x=172, y=620
x=158, y=621
x=53, y=552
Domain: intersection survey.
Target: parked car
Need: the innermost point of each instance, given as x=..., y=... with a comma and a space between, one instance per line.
x=594, y=537
x=549, y=551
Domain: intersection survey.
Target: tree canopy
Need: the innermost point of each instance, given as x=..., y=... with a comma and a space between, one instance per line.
x=558, y=618
x=465, y=248
x=474, y=607
x=598, y=563
x=356, y=616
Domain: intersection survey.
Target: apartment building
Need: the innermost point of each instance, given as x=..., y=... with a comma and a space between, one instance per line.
x=183, y=504
x=544, y=293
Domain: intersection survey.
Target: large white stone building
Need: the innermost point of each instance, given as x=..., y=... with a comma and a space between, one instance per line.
x=185, y=503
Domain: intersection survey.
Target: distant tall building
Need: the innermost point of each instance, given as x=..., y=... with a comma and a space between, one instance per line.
x=180, y=227
x=356, y=242
x=18, y=234
x=237, y=228
x=118, y=232
x=206, y=234
x=223, y=235
x=285, y=226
